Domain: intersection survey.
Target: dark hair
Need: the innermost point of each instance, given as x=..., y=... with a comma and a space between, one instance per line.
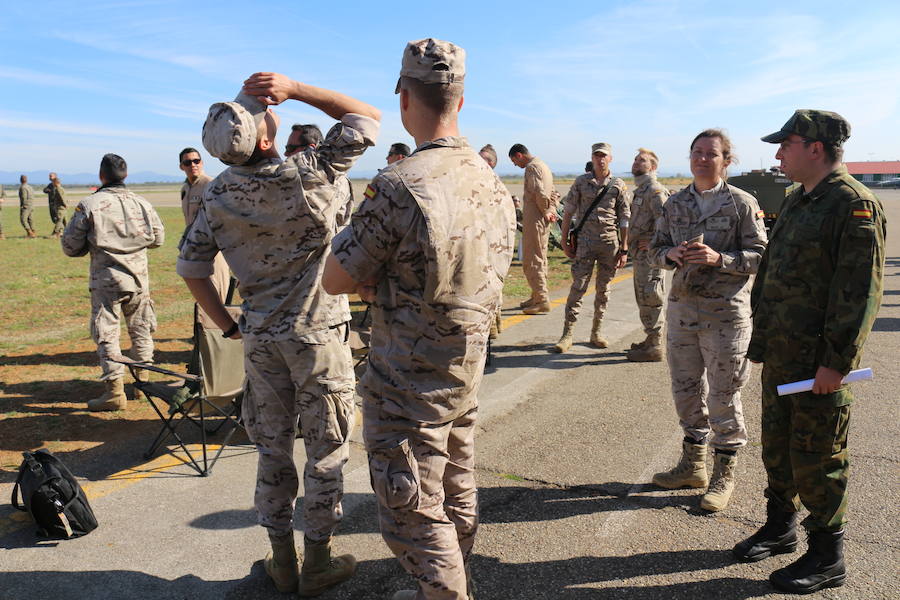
x=833, y=152
x=23, y=178
x=187, y=151
x=113, y=168
x=310, y=134
x=589, y=166
x=440, y=98
x=399, y=148
x=518, y=148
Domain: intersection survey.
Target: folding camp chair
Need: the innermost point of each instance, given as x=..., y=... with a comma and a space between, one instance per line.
x=211, y=391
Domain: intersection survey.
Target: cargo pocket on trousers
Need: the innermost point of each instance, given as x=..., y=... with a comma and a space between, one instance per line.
x=394, y=475
x=653, y=293
x=337, y=419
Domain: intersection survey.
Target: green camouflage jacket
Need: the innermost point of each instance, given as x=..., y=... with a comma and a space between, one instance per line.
x=819, y=284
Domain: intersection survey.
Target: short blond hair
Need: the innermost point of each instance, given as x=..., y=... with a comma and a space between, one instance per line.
x=653, y=157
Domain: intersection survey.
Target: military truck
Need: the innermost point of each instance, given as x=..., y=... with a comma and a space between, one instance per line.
x=769, y=187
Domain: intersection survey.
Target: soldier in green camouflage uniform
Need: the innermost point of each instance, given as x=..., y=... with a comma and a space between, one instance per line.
x=814, y=302
x=26, y=206
x=430, y=244
x=56, y=202
x=273, y=221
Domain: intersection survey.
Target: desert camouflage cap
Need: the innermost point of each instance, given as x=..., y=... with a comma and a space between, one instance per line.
x=818, y=125
x=230, y=130
x=433, y=61
x=601, y=147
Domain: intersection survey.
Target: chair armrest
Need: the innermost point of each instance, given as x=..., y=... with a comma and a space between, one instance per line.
x=135, y=364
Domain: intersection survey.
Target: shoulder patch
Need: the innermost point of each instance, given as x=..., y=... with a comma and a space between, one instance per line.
x=370, y=192
x=760, y=214
x=861, y=213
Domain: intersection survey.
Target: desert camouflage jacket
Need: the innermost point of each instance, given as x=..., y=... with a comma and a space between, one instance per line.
x=116, y=226
x=436, y=230
x=26, y=194
x=704, y=296
x=646, y=207
x=273, y=221
x=610, y=213
x=819, y=285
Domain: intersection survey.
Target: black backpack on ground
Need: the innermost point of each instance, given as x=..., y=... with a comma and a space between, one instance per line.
x=52, y=497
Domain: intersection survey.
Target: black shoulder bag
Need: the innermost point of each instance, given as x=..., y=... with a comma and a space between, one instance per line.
x=572, y=238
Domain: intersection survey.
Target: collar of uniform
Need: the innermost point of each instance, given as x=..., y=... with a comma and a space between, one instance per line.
x=108, y=186
x=829, y=180
x=443, y=142
x=266, y=164
x=644, y=180
x=599, y=182
x=710, y=192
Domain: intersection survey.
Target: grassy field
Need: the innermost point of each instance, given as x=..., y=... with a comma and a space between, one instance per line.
x=48, y=363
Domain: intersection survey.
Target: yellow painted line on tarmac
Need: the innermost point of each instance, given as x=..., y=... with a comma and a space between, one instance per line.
x=516, y=319
x=117, y=481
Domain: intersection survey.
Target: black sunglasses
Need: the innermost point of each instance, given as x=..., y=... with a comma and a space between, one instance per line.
x=288, y=148
x=191, y=161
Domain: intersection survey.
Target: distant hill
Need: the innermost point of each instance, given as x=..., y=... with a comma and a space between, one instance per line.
x=10, y=178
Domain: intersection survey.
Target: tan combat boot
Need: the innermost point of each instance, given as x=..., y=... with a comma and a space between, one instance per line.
x=690, y=470
x=597, y=340
x=526, y=303
x=538, y=308
x=722, y=483
x=640, y=344
x=565, y=342
x=320, y=570
x=651, y=351
x=281, y=563
x=113, y=399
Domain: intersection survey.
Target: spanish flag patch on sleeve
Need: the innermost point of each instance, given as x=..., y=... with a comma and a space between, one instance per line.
x=862, y=213
x=370, y=192
x=760, y=214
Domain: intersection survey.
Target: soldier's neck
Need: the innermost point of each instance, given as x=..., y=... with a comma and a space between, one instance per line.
x=816, y=175
x=601, y=176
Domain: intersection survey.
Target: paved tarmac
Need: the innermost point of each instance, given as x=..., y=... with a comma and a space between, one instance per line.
x=566, y=447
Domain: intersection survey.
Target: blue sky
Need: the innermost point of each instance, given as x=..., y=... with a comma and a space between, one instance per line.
x=79, y=79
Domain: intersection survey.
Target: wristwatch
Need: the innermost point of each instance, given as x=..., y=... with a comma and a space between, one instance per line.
x=231, y=330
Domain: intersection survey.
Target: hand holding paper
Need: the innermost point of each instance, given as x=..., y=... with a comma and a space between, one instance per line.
x=807, y=384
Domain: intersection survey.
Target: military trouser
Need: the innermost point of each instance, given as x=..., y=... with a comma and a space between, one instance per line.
x=649, y=290
x=220, y=278
x=59, y=216
x=106, y=308
x=589, y=252
x=25, y=218
x=309, y=378
x=804, y=450
x=708, y=369
x=535, y=235
x=424, y=478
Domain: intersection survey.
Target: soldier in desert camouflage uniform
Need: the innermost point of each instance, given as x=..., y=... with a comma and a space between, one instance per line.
x=56, y=202
x=712, y=234
x=26, y=206
x=814, y=302
x=273, y=221
x=430, y=245
x=603, y=240
x=116, y=226
x=646, y=207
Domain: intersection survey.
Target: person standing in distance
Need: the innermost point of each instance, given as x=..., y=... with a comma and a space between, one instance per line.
x=430, y=246
x=273, y=221
x=398, y=151
x=116, y=226
x=539, y=202
x=56, y=202
x=489, y=155
x=649, y=287
x=26, y=206
x=302, y=136
x=192, y=190
x=603, y=240
x=712, y=235
x=814, y=301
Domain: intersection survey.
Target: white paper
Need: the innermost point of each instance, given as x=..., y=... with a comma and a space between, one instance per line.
x=807, y=384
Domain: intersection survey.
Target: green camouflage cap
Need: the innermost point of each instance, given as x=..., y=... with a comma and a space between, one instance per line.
x=230, y=130
x=433, y=61
x=601, y=147
x=817, y=125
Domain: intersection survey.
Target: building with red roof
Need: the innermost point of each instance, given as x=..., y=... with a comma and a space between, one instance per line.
x=873, y=171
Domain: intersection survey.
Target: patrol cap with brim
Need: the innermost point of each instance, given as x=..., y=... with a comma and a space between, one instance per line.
x=230, y=130
x=601, y=147
x=816, y=125
x=433, y=61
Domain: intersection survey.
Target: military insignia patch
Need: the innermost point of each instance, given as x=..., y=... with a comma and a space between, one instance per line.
x=370, y=192
x=862, y=213
x=760, y=214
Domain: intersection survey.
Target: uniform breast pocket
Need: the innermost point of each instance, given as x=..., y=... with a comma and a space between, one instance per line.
x=680, y=229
